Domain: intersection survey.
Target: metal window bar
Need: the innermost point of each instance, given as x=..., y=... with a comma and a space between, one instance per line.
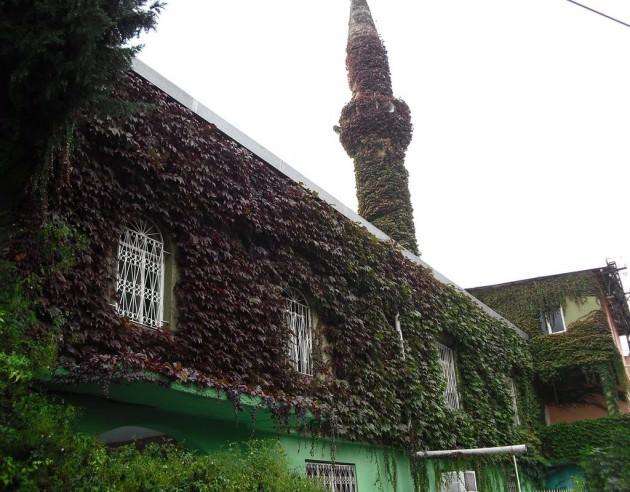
x=300, y=324
x=447, y=360
x=140, y=275
x=511, y=481
x=517, y=419
x=555, y=490
x=338, y=478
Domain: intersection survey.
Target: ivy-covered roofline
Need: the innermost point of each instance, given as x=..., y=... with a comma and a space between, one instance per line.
x=277, y=163
x=535, y=279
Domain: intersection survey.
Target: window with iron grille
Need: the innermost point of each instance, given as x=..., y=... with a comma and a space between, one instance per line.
x=512, y=387
x=511, y=482
x=447, y=360
x=459, y=481
x=337, y=477
x=300, y=324
x=140, y=275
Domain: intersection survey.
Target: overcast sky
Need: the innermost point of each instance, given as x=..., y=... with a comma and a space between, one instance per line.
x=519, y=164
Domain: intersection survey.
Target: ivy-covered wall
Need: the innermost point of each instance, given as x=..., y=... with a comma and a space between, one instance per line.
x=570, y=443
x=375, y=130
x=585, y=352
x=241, y=234
x=524, y=301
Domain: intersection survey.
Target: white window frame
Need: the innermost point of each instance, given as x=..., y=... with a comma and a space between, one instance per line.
x=338, y=477
x=299, y=321
x=140, y=275
x=548, y=322
x=398, y=327
x=513, y=394
x=449, y=371
x=458, y=481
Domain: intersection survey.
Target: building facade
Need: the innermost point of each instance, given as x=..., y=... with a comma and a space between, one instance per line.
x=216, y=295
x=579, y=325
x=207, y=293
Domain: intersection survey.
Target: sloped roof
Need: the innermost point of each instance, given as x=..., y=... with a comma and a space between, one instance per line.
x=273, y=160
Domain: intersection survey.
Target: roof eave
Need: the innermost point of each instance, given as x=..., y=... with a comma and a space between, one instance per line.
x=273, y=160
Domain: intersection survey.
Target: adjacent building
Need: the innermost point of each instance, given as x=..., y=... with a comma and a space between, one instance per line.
x=579, y=325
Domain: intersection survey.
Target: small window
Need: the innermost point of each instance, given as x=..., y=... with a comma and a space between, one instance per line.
x=300, y=324
x=463, y=481
x=140, y=275
x=447, y=360
x=513, y=393
x=553, y=322
x=335, y=476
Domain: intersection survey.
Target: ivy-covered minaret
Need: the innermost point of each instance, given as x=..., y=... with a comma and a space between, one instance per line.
x=375, y=130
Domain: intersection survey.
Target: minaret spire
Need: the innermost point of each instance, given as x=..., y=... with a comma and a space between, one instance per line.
x=375, y=131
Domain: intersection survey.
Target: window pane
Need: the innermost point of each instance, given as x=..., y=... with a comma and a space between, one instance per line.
x=543, y=325
x=556, y=322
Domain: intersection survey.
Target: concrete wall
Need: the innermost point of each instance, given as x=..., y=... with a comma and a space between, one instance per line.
x=574, y=311
x=207, y=435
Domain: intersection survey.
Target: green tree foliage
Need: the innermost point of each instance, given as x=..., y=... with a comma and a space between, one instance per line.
x=607, y=467
x=58, y=58
x=256, y=466
x=599, y=446
x=568, y=443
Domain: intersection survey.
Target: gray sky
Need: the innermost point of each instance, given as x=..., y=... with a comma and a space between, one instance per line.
x=519, y=164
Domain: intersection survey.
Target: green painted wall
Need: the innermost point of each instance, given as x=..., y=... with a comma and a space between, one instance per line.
x=208, y=423
x=574, y=311
x=370, y=461
x=197, y=433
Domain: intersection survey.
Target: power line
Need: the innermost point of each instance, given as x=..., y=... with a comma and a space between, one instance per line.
x=599, y=13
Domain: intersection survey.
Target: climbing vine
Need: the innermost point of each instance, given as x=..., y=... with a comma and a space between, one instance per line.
x=241, y=234
x=571, y=443
x=375, y=131
x=524, y=302
x=585, y=352
x=586, y=344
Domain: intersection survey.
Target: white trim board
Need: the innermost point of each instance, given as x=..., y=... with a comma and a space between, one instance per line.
x=270, y=158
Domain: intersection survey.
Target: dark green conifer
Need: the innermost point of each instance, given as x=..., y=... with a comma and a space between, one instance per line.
x=375, y=130
x=58, y=58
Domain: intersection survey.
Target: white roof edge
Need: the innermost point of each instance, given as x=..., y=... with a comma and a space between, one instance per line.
x=231, y=131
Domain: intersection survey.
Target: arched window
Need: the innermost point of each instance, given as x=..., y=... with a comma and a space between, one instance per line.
x=140, y=279
x=300, y=324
